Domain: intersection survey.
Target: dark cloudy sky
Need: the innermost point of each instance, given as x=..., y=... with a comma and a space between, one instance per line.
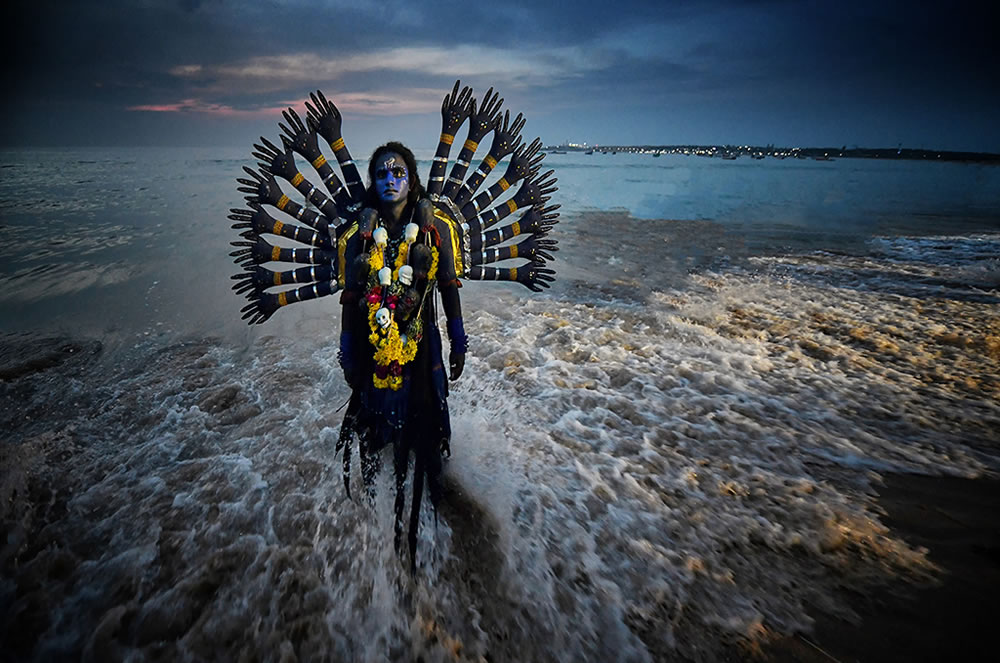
x=185, y=72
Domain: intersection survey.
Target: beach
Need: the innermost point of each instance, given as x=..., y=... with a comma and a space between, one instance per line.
x=754, y=419
x=954, y=519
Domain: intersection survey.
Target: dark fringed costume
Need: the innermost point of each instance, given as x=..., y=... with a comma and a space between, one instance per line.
x=402, y=404
x=390, y=272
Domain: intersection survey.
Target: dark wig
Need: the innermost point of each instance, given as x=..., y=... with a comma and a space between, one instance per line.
x=416, y=188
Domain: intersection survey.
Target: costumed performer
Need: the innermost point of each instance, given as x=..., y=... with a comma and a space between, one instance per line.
x=390, y=346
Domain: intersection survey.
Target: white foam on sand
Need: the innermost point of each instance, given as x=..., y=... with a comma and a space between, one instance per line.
x=634, y=478
x=695, y=459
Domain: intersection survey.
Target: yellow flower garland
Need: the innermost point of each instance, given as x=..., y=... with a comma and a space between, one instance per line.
x=389, y=346
x=404, y=251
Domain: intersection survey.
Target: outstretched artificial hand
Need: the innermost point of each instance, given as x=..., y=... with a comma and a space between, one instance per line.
x=536, y=249
x=324, y=117
x=539, y=220
x=298, y=136
x=535, y=277
x=255, y=220
x=507, y=136
x=485, y=119
x=263, y=188
x=274, y=160
x=260, y=308
x=525, y=162
x=455, y=108
x=536, y=190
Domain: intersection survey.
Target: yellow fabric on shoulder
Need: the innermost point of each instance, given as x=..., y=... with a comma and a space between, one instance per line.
x=342, y=254
x=455, y=234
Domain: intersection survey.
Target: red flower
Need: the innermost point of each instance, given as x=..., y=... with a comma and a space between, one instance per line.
x=395, y=369
x=381, y=372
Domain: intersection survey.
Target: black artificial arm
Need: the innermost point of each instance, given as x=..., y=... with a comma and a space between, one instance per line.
x=304, y=141
x=256, y=221
x=535, y=249
x=481, y=122
x=533, y=191
x=282, y=164
x=264, y=304
x=261, y=277
x=531, y=275
x=537, y=221
x=506, y=139
x=250, y=253
x=455, y=109
x=325, y=119
x=525, y=162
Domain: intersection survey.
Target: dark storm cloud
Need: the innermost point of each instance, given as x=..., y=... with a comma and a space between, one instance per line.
x=96, y=60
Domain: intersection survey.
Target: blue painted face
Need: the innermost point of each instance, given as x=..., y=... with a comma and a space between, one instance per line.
x=392, y=181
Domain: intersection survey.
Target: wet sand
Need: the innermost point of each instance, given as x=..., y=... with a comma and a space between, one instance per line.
x=958, y=521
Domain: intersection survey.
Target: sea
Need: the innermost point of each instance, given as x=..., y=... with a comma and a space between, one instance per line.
x=674, y=453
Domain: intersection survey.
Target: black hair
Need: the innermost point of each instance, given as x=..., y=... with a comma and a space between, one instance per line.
x=416, y=188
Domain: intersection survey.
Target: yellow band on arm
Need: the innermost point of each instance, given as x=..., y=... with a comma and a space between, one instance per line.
x=471, y=145
x=516, y=227
x=277, y=278
x=319, y=162
x=282, y=299
x=511, y=205
x=490, y=161
x=275, y=253
x=278, y=225
x=297, y=180
x=513, y=273
x=513, y=251
x=282, y=202
x=448, y=139
x=504, y=184
x=337, y=145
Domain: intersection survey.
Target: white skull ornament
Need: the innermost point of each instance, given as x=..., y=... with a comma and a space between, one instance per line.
x=406, y=275
x=382, y=317
x=410, y=232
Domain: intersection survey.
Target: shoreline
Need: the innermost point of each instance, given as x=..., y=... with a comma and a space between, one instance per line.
x=732, y=152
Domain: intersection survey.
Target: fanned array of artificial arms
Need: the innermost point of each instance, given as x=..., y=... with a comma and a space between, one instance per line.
x=319, y=234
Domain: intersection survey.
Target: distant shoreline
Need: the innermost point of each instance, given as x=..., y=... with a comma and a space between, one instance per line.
x=731, y=152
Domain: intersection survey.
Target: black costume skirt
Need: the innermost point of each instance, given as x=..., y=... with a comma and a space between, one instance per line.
x=412, y=418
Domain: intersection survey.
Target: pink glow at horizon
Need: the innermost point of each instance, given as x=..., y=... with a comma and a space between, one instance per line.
x=207, y=108
x=407, y=102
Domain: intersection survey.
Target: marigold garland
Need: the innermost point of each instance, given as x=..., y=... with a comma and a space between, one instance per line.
x=432, y=272
x=404, y=251
x=391, y=352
